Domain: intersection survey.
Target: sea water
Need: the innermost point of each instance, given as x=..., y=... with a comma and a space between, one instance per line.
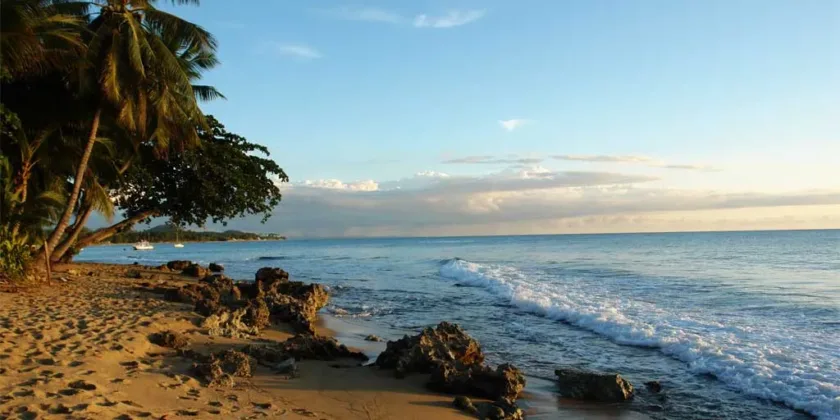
x=735, y=325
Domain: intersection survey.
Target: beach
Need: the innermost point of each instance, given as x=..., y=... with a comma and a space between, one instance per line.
x=80, y=348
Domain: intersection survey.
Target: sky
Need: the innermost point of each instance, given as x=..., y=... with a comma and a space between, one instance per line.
x=468, y=117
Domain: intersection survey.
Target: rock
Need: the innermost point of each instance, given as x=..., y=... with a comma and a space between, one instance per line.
x=502, y=410
x=216, y=268
x=133, y=274
x=465, y=404
x=372, y=337
x=653, y=386
x=269, y=274
x=257, y=314
x=178, y=265
x=228, y=291
x=195, y=270
x=170, y=339
x=506, y=382
x=446, y=343
x=305, y=346
x=494, y=413
x=296, y=303
x=221, y=368
x=595, y=386
x=227, y=323
x=273, y=357
x=163, y=267
x=208, y=307
x=73, y=272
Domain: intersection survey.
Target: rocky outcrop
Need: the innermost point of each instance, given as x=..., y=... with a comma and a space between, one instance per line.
x=455, y=361
x=595, y=386
x=220, y=369
x=499, y=410
x=228, y=291
x=171, y=339
x=506, y=382
x=296, y=303
x=216, y=268
x=312, y=347
x=178, y=265
x=445, y=344
x=270, y=274
x=195, y=270
x=654, y=386
x=372, y=337
x=227, y=323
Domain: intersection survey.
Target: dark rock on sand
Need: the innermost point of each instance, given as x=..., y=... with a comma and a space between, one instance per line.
x=178, y=265
x=586, y=385
x=257, y=314
x=133, y=274
x=195, y=270
x=272, y=357
x=372, y=337
x=305, y=346
x=228, y=292
x=170, y=339
x=465, y=404
x=216, y=268
x=296, y=304
x=505, y=382
x=221, y=368
x=447, y=343
x=653, y=386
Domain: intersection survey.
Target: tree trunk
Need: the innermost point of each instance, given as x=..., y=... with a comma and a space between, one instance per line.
x=105, y=233
x=75, y=230
x=77, y=186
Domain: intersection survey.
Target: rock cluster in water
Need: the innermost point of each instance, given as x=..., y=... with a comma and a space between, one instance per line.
x=594, y=386
x=455, y=363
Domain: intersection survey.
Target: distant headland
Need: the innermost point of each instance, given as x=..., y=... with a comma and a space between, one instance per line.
x=168, y=233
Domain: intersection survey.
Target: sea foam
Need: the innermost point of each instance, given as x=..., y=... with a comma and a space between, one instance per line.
x=759, y=360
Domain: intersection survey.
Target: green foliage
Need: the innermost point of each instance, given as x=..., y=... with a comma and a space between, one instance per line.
x=15, y=254
x=224, y=178
x=170, y=234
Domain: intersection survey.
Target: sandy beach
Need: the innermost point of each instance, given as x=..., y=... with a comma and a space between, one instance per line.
x=80, y=349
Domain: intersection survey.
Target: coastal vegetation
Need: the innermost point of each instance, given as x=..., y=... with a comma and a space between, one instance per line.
x=168, y=233
x=101, y=113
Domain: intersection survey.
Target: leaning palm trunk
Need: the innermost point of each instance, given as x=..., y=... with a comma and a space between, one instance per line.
x=62, y=224
x=73, y=234
x=105, y=233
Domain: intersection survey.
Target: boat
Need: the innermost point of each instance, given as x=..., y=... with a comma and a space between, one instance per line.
x=143, y=246
x=178, y=245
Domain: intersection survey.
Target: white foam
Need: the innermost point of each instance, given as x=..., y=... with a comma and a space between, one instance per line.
x=759, y=360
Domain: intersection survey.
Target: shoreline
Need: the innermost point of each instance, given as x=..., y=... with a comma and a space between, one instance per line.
x=81, y=346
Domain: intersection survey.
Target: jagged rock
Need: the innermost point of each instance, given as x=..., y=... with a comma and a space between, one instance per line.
x=446, y=343
x=257, y=314
x=216, y=268
x=195, y=270
x=178, y=265
x=502, y=410
x=273, y=357
x=228, y=323
x=134, y=274
x=269, y=274
x=170, y=339
x=228, y=291
x=305, y=346
x=221, y=368
x=163, y=267
x=596, y=386
x=465, y=404
x=505, y=382
x=654, y=386
x=297, y=304
x=372, y=337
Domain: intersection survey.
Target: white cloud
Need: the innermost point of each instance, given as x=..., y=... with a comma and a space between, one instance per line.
x=300, y=51
x=512, y=124
x=335, y=184
x=451, y=19
x=647, y=161
x=490, y=160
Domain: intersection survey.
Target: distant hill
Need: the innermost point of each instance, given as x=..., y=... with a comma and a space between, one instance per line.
x=168, y=233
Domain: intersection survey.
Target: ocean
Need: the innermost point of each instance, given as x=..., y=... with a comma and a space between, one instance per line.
x=735, y=325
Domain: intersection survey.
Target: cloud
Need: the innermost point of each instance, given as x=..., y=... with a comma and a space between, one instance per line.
x=512, y=124
x=365, y=14
x=335, y=184
x=451, y=19
x=299, y=51
x=490, y=160
x=647, y=161
x=605, y=158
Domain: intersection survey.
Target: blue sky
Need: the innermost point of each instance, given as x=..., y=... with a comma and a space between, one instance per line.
x=699, y=97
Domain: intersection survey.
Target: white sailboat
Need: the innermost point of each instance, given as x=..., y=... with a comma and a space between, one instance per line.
x=143, y=246
x=178, y=244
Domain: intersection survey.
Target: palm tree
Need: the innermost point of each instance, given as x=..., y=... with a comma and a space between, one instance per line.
x=38, y=36
x=134, y=75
